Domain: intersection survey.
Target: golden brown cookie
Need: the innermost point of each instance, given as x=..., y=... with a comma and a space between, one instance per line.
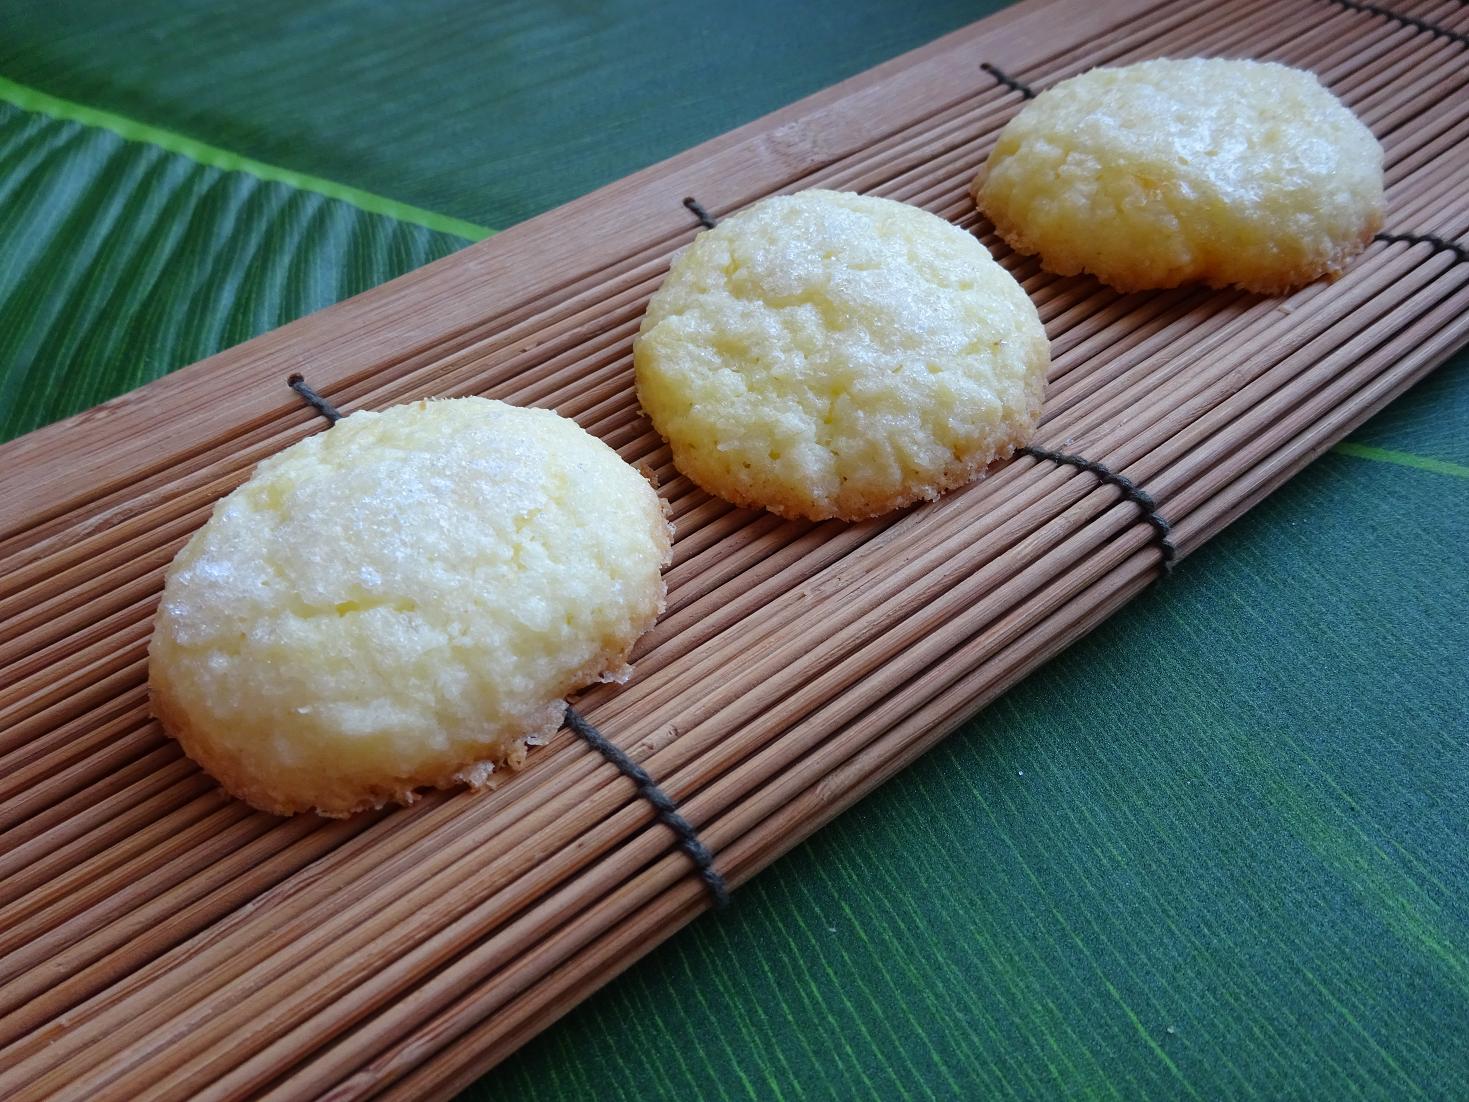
x=1198, y=170
x=827, y=354
x=404, y=600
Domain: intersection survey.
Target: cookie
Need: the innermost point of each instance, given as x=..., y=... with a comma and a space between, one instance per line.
x=1200, y=170
x=827, y=354
x=404, y=600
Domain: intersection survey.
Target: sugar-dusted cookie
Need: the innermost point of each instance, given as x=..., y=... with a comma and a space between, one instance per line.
x=826, y=354
x=1198, y=170
x=404, y=600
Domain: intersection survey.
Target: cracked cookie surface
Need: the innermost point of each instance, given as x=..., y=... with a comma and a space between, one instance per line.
x=404, y=600
x=827, y=354
x=1162, y=173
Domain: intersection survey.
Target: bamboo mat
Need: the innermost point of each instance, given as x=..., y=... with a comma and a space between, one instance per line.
x=159, y=939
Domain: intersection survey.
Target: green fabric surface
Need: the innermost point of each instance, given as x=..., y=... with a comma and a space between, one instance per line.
x=123, y=261
x=1216, y=850
x=1432, y=419
x=490, y=112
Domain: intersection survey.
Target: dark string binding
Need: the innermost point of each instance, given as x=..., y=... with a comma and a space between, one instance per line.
x=666, y=811
x=1008, y=81
x=686, y=837
x=314, y=400
x=1440, y=245
x=1130, y=490
x=1432, y=29
x=707, y=220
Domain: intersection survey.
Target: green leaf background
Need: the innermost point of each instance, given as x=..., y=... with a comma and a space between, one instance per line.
x=1218, y=849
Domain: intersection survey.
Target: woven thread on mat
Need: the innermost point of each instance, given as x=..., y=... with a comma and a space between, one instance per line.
x=1433, y=30
x=314, y=400
x=707, y=220
x=1008, y=81
x=1162, y=530
x=1440, y=245
x=686, y=838
x=1402, y=20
